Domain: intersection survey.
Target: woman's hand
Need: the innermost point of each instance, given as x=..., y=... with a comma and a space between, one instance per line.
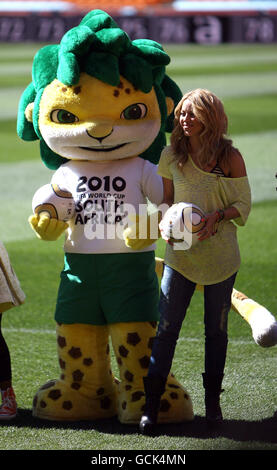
x=162, y=231
x=210, y=227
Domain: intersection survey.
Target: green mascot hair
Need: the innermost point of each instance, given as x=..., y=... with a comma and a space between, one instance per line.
x=101, y=49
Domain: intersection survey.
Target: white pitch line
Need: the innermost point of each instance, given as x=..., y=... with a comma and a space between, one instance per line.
x=29, y=331
x=53, y=332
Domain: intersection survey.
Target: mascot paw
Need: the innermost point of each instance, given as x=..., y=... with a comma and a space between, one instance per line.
x=47, y=228
x=136, y=244
x=142, y=232
x=58, y=401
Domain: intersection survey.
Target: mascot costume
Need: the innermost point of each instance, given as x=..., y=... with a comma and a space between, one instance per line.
x=101, y=105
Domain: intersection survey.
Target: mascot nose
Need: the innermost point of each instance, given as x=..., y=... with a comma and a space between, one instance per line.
x=99, y=130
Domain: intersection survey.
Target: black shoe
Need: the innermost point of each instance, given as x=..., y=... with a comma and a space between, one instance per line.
x=147, y=427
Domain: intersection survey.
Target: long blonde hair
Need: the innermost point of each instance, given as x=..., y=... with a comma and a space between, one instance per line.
x=209, y=110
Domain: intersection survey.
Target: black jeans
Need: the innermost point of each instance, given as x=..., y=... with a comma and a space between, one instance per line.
x=176, y=294
x=5, y=360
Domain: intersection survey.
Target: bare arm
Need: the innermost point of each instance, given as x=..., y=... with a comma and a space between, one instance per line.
x=168, y=199
x=168, y=191
x=237, y=169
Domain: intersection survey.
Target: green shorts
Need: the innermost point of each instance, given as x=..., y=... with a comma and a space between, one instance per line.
x=98, y=289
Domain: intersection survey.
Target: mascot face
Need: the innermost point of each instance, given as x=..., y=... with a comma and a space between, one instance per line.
x=95, y=121
x=102, y=97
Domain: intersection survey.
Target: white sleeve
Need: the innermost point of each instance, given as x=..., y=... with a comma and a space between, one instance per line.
x=152, y=183
x=59, y=178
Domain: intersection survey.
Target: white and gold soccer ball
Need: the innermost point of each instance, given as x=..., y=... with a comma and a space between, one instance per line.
x=181, y=224
x=54, y=202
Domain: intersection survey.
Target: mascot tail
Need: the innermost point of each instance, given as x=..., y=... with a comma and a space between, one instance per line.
x=262, y=322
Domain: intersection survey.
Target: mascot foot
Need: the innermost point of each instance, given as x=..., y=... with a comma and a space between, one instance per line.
x=86, y=389
x=56, y=401
x=175, y=404
x=132, y=343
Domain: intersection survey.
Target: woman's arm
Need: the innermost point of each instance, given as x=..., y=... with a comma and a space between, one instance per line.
x=168, y=199
x=168, y=192
x=236, y=169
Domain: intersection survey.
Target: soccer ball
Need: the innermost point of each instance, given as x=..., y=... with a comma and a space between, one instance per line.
x=55, y=202
x=181, y=224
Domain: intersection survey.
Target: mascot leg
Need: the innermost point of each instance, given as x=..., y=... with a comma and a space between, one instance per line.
x=86, y=389
x=132, y=343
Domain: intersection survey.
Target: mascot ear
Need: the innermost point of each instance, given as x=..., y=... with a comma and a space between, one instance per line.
x=29, y=112
x=25, y=128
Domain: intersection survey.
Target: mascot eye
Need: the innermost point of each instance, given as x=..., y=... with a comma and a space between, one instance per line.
x=63, y=117
x=135, y=111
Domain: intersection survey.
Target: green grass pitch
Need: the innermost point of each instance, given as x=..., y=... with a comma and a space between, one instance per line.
x=245, y=78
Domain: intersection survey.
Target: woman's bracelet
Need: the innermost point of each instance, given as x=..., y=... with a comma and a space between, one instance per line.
x=220, y=215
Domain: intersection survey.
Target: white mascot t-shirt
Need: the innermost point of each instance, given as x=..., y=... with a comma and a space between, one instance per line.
x=105, y=195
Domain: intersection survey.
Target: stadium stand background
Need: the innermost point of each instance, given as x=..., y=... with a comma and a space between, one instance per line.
x=176, y=21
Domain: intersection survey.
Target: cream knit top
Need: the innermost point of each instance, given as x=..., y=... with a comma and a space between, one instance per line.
x=215, y=259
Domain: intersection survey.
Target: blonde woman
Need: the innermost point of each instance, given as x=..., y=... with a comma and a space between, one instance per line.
x=201, y=166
